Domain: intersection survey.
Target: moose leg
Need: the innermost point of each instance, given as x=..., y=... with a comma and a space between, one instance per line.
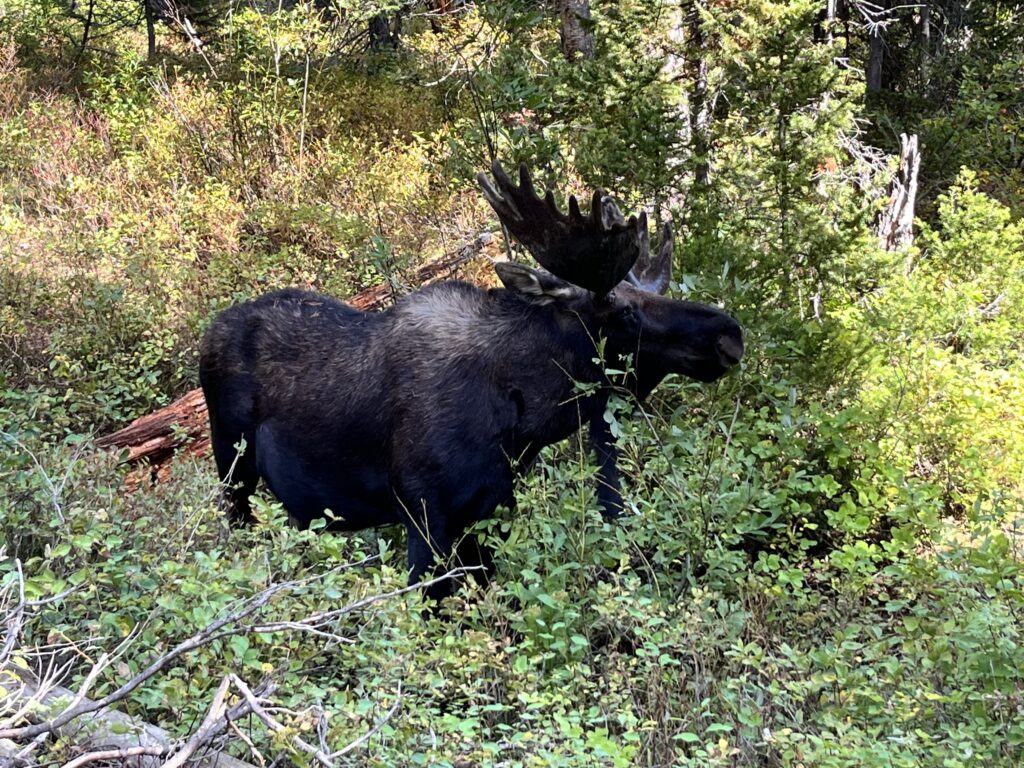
x=429, y=541
x=473, y=554
x=609, y=494
x=461, y=497
x=470, y=551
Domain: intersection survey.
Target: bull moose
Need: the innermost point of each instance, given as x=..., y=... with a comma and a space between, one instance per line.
x=425, y=413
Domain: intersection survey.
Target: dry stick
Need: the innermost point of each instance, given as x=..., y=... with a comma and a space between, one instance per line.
x=217, y=712
x=369, y=734
x=47, y=683
x=215, y=720
x=54, y=494
x=101, y=664
x=207, y=635
x=113, y=754
x=258, y=710
x=318, y=620
x=272, y=724
x=247, y=741
x=29, y=748
x=16, y=618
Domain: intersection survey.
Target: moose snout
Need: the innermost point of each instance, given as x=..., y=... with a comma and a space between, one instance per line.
x=730, y=349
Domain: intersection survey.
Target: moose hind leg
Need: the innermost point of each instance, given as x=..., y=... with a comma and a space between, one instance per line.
x=475, y=556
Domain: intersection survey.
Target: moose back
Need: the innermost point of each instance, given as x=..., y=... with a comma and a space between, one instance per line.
x=425, y=413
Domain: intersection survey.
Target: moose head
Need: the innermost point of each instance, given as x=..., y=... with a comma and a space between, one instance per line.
x=601, y=265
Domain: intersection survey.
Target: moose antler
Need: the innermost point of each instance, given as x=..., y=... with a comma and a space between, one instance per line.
x=595, y=252
x=653, y=274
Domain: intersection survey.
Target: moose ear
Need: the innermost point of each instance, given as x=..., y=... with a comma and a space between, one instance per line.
x=534, y=285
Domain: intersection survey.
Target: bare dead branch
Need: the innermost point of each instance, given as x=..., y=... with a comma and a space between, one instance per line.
x=214, y=714
x=318, y=620
x=35, y=697
x=369, y=734
x=113, y=754
x=199, y=639
x=257, y=709
x=895, y=225
x=16, y=618
x=246, y=740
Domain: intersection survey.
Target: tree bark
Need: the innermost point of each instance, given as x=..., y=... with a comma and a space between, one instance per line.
x=700, y=106
x=150, y=29
x=87, y=28
x=577, y=39
x=896, y=223
x=876, y=49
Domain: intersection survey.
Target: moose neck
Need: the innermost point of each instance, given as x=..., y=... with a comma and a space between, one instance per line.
x=643, y=373
x=641, y=378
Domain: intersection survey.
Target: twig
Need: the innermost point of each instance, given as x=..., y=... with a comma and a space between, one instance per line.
x=318, y=620
x=276, y=727
x=47, y=682
x=247, y=741
x=218, y=718
x=215, y=713
x=54, y=493
x=15, y=618
x=199, y=639
x=29, y=748
x=113, y=754
x=366, y=736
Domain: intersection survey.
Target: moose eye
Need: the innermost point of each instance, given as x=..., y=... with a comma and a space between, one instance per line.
x=629, y=315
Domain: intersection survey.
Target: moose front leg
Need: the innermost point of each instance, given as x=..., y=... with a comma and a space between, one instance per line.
x=608, y=489
x=430, y=549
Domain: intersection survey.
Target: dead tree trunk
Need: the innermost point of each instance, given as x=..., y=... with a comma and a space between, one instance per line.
x=896, y=223
x=700, y=101
x=150, y=13
x=876, y=45
x=577, y=39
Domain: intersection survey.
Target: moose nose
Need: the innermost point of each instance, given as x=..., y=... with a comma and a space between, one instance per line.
x=730, y=349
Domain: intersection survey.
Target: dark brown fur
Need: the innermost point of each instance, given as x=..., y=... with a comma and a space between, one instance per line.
x=425, y=413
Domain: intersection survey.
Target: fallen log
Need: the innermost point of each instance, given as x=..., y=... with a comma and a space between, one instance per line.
x=153, y=440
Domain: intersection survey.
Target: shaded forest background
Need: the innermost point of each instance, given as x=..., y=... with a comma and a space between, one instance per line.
x=821, y=564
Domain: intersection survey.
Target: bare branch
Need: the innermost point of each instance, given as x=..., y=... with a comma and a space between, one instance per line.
x=36, y=698
x=197, y=640
x=113, y=754
x=369, y=734
x=216, y=713
x=258, y=710
x=318, y=620
x=53, y=490
x=15, y=618
x=246, y=740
